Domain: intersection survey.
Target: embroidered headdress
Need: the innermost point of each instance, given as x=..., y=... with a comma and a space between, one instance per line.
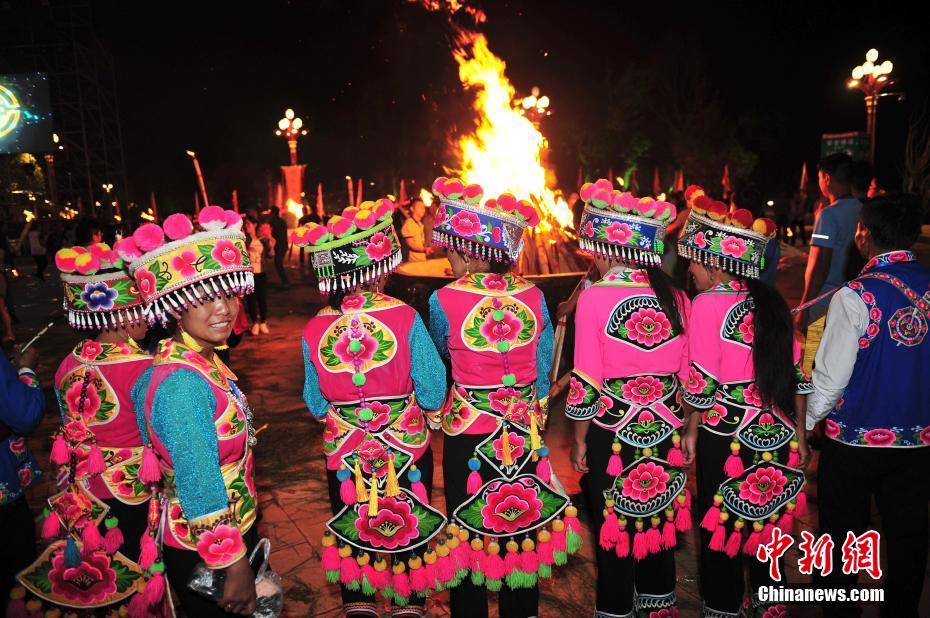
x=716, y=237
x=353, y=248
x=176, y=267
x=493, y=231
x=98, y=292
x=618, y=225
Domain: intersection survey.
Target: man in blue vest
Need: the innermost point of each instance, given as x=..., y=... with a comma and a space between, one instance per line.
x=872, y=388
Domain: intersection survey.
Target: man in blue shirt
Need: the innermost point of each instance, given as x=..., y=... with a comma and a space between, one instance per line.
x=832, y=240
x=21, y=406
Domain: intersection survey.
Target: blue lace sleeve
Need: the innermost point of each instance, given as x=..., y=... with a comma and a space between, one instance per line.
x=182, y=418
x=313, y=397
x=438, y=325
x=544, y=355
x=426, y=368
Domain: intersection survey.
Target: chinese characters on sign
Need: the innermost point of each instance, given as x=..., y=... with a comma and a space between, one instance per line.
x=859, y=553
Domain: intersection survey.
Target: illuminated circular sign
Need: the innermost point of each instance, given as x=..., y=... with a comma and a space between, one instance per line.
x=10, y=111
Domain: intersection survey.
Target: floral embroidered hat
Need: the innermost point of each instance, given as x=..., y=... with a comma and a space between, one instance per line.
x=353, y=248
x=99, y=293
x=618, y=225
x=176, y=267
x=718, y=238
x=493, y=231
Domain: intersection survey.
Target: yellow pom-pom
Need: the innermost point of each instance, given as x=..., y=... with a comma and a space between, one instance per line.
x=494, y=548
x=442, y=550
x=512, y=546
x=363, y=558
x=766, y=456
x=571, y=511
x=33, y=605
x=345, y=551
x=398, y=567
x=415, y=563
x=429, y=557
x=558, y=525
x=477, y=544
x=544, y=536
x=527, y=544
x=17, y=593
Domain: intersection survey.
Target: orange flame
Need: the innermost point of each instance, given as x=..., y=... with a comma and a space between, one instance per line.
x=295, y=208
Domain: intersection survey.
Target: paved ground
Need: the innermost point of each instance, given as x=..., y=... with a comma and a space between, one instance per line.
x=290, y=471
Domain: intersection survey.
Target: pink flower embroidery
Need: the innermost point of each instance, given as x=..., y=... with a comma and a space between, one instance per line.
x=465, y=223
x=501, y=399
x=832, y=428
x=365, y=353
x=699, y=240
x=576, y=391
x=714, y=415
x=373, y=457
x=516, y=447
x=762, y=485
x=666, y=612
x=639, y=276
x=146, y=281
x=88, y=583
x=353, y=302
x=880, y=437
x=440, y=217
x=875, y=314
x=872, y=330
x=696, y=382
x=381, y=415
x=747, y=328
x=18, y=446
x=511, y=507
x=226, y=253
x=751, y=396
x=507, y=329
x=776, y=611
x=496, y=234
x=197, y=360
x=733, y=246
x=90, y=405
x=642, y=389
x=184, y=263
x=645, y=481
x=868, y=298
x=25, y=476
x=179, y=524
x=412, y=421
x=91, y=350
x=379, y=247
x=766, y=419
x=648, y=327
x=495, y=281
x=394, y=525
x=220, y=546
x=619, y=233
x=588, y=230
x=605, y=403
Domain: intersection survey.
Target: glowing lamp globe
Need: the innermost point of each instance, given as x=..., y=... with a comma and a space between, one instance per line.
x=887, y=66
x=871, y=55
x=857, y=73
x=289, y=113
x=282, y=124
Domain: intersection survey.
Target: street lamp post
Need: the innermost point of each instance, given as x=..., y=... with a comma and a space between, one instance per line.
x=203, y=186
x=291, y=128
x=871, y=78
x=535, y=106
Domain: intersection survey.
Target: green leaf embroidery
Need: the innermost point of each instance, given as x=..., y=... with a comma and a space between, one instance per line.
x=472, y=514
x=125, y=577
x=551, y=504
x=39, y=577
x=206, y=254
x=345, y=525
x=327, y=351
x=427, y=520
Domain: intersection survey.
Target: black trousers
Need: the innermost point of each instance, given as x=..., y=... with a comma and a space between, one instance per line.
x=467, y=600
x=359, y=598
x=723, y=582
x=620, y=580
x=848, y=478
x=19, y=545
x=179, y=566
x=279, y=256
x=257, y=301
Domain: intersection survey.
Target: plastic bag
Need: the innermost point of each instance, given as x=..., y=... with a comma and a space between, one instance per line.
x=269, y=593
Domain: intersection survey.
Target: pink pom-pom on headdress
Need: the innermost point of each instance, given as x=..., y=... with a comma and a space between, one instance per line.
x=233, y=220
x=127, y=249
x=627, y=203
x=178, y=226
x=100, y=250
x=587, y=191
x=506, y=202
x=603, y=183
x=439, y=185
x=148, y=237
x=65, y=258
x=383, y=208
x=212, y=218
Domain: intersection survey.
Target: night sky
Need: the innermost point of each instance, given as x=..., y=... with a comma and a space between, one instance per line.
x=377, y=86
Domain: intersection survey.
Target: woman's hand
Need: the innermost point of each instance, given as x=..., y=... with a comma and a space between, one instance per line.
x=804, y=451
x=239, y=589
x=689, y=439
x=579, y=457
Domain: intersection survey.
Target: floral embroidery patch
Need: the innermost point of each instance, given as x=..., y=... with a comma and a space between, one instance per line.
x=378, y=345
x=765, y=430
x=739, y=324
x=491, y=450
x=761, y=490
x=646, y=486
x=401, y=523
x=510, y=507
x=701, y=387
x=582, y=401
x=639, y=321
x=481, y=332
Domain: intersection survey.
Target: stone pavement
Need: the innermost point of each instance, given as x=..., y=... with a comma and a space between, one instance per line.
x=290, y=470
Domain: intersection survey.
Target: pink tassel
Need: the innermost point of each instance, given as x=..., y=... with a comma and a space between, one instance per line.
x=623, y=544
x=786, y=522
x=752, y=543
x=711, y=519
x=675, y=457
x=431, y=572
x=545, y=552
x=347, y=491
x=60, y=451
x=379, y=580
x=800, y=508
x=366, y=572
x=148, y=551
x=511, y=562
x=718, y=538
x=669, y=538
x=558, y=540
x=544, y=470
x=90, y=537
x=155, y=589
x=95, y=463
x=419, y=490
x=572, y=523
x=349, y=570
x=607, y=538
x=687, y=503
x=529, y=561
x=418, y=581
x=794, y=458
x=767, y=533
x=640, y=545
x=614, y=465
x=734, y=465
x=400, y=583
x=683, y=519
x=113, y=540
x=51, y=527
x=149, y=471
x=138, y=608
x=732, y=546
x=16, y=609
x=474, y=483
x=494, y=566
x=445, y=569
x=653, y=540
